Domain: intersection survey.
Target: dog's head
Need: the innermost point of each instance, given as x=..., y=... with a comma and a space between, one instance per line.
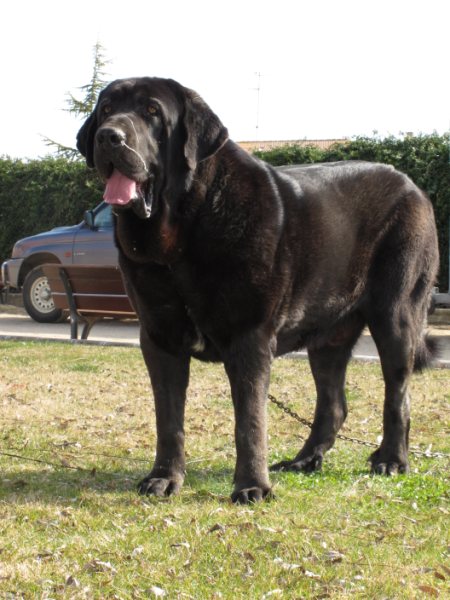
x=146, y=137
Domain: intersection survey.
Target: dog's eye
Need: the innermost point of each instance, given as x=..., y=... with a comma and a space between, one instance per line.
x=106, y=109
x=152, y=110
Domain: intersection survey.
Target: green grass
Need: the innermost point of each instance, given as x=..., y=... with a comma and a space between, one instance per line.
x=78, y=529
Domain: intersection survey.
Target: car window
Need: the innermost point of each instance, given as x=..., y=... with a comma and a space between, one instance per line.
x=103, y=217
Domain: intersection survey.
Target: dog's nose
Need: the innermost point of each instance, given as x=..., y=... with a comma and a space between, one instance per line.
x=110, y=136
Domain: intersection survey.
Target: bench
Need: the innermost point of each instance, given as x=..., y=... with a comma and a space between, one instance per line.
x=89, y=293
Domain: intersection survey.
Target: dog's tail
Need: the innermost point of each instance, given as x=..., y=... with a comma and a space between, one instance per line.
x=428, y=351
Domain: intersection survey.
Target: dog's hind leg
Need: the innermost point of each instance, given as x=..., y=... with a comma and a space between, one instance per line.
x=401, y=279
x=396, y=347
x=403, y=349
x=328, y=365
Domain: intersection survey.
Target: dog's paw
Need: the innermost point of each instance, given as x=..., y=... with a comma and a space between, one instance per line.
x=389, y=468
x=308, y=464
x=251, y=494
x=159, y=486
x=385, y=465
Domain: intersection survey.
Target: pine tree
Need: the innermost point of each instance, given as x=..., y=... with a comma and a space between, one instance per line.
x=84, y=106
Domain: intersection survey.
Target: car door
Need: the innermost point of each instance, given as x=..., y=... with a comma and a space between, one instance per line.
x=94, y=241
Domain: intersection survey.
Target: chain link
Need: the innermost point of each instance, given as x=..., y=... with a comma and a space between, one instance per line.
x=288, y=411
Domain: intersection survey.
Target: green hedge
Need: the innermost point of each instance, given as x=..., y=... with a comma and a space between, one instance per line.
x=426, y=159
x=40, y=194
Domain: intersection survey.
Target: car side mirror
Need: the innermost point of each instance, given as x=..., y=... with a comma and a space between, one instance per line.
x=89, y=219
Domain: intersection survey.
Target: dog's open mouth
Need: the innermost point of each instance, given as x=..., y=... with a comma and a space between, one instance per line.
x=124, y=193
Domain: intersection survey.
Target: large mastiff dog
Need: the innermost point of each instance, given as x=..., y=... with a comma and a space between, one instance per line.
x=228, y=259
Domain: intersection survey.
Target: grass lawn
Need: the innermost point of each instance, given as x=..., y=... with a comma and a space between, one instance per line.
x=75, y=528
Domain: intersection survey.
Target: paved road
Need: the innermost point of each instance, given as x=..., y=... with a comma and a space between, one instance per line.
x=15, y=323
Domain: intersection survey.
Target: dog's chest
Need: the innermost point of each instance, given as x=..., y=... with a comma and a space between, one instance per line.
x=219, y=298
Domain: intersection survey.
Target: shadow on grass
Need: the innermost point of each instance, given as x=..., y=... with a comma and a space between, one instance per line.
x=204, y=480
x=53, y=486
x=213, y=484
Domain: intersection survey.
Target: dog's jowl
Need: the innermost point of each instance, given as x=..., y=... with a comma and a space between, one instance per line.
x=228, y=259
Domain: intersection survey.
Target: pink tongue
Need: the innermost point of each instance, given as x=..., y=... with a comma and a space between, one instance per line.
x=119, y=189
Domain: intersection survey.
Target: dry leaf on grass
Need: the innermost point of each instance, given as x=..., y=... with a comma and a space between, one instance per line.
x=285, y=565
x=429, y=590
x=333, y=556
x=71, y=581
x=157, y=591
x=99, y=566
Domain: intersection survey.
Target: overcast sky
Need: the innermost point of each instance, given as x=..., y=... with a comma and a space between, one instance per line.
x=329, y=69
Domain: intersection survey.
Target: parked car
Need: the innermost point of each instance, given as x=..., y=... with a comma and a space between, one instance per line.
x=89, y=242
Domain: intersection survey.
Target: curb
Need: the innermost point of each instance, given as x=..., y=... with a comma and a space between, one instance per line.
x=362, y=358
x=20, y=338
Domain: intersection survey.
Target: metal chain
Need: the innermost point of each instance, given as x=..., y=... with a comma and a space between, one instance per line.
x=288, y=411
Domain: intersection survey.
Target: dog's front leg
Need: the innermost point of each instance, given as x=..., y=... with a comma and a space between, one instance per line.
x=247, y=363
x=169, y=376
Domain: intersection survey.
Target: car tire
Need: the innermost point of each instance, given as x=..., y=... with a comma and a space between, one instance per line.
x=37, y=298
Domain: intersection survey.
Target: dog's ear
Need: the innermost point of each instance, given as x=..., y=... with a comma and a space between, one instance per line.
x=85, y=139
x=205, y=134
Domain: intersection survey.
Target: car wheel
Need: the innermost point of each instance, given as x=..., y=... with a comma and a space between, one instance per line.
x=37, y=298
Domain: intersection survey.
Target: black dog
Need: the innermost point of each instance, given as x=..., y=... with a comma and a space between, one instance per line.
x=227, y=259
